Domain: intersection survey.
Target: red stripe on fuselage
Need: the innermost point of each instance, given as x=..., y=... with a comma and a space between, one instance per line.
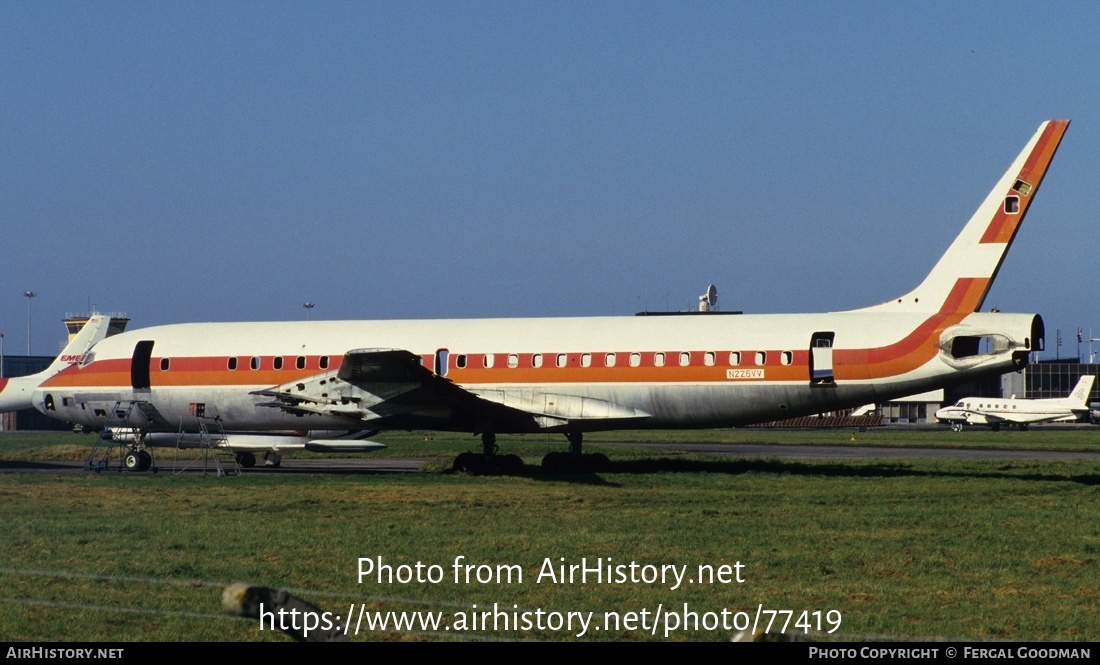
x=916, y=348
x=905, y=355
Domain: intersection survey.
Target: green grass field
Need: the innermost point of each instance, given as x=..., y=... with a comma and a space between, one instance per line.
x=898, y=549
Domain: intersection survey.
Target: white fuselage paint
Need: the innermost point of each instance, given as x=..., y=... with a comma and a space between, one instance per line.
x=673, y=404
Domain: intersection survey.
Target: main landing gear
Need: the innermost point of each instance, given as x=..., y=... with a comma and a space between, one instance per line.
x=575, y=461
x=488, y=462
x=247, y=459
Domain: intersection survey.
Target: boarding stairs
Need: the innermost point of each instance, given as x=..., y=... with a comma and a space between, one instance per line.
x=214, y=452
x=122, y=439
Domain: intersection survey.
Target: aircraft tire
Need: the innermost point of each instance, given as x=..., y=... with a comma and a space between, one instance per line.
x=146, y=461
x=596, y=463
x=131, y=461
x=509, y=464
x=553, y=463
x=247, y=460
x=471, y=463
x=558, y=462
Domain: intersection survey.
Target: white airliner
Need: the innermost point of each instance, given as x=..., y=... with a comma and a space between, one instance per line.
x=994, y=412
x=576, y=375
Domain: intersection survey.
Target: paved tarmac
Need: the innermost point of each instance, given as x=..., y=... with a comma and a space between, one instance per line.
x=380, y=465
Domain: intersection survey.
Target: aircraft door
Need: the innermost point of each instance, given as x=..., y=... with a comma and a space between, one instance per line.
x=821, y=358
x=139, y=365
x=441, y=358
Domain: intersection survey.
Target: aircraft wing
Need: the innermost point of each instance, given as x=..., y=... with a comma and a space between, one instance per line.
x=391, y=389
x=1028, y=418
x=366, y=366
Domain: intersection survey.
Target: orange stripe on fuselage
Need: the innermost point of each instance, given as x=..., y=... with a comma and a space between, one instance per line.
x=187, y=372
x=916, y=348
x=905, y=355
x=1004, y=225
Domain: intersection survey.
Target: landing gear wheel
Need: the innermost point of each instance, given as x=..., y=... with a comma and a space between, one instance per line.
x=471, y=463
x=131, y=461
x=509, y=464
x=247, y=460
x=145, y=461
x=556, y=462
x=596, y=463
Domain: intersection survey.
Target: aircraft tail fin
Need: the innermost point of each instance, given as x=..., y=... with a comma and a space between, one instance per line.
x=92, y=332
x=1079, y=398
x=961, y=279
x=15, y=393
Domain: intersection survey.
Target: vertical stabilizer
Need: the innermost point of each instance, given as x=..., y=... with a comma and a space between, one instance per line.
x=961, y=279
x=15, y=393
x=1079, y=398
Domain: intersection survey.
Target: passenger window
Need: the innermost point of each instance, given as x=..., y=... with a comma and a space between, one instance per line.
x=635, y=359
x=300, y=363
x=708, y=358
x=685, y=359
x=278, y=362
x=609, y=360
x=659, y=359
x=735, y=358
x=761, y=357
x=231, y=363
x=323, y=363
x=586, y=360
x=164, y=363
x=513, y=360
x=536, y=360
x=255, y=362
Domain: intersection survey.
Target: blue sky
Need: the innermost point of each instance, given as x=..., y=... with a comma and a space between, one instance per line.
x=217, y=161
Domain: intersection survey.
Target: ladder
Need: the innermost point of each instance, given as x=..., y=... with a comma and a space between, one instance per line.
x=122, y=435
x=215, y=454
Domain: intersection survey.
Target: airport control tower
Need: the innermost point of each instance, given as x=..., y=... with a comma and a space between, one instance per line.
x=75, y=321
